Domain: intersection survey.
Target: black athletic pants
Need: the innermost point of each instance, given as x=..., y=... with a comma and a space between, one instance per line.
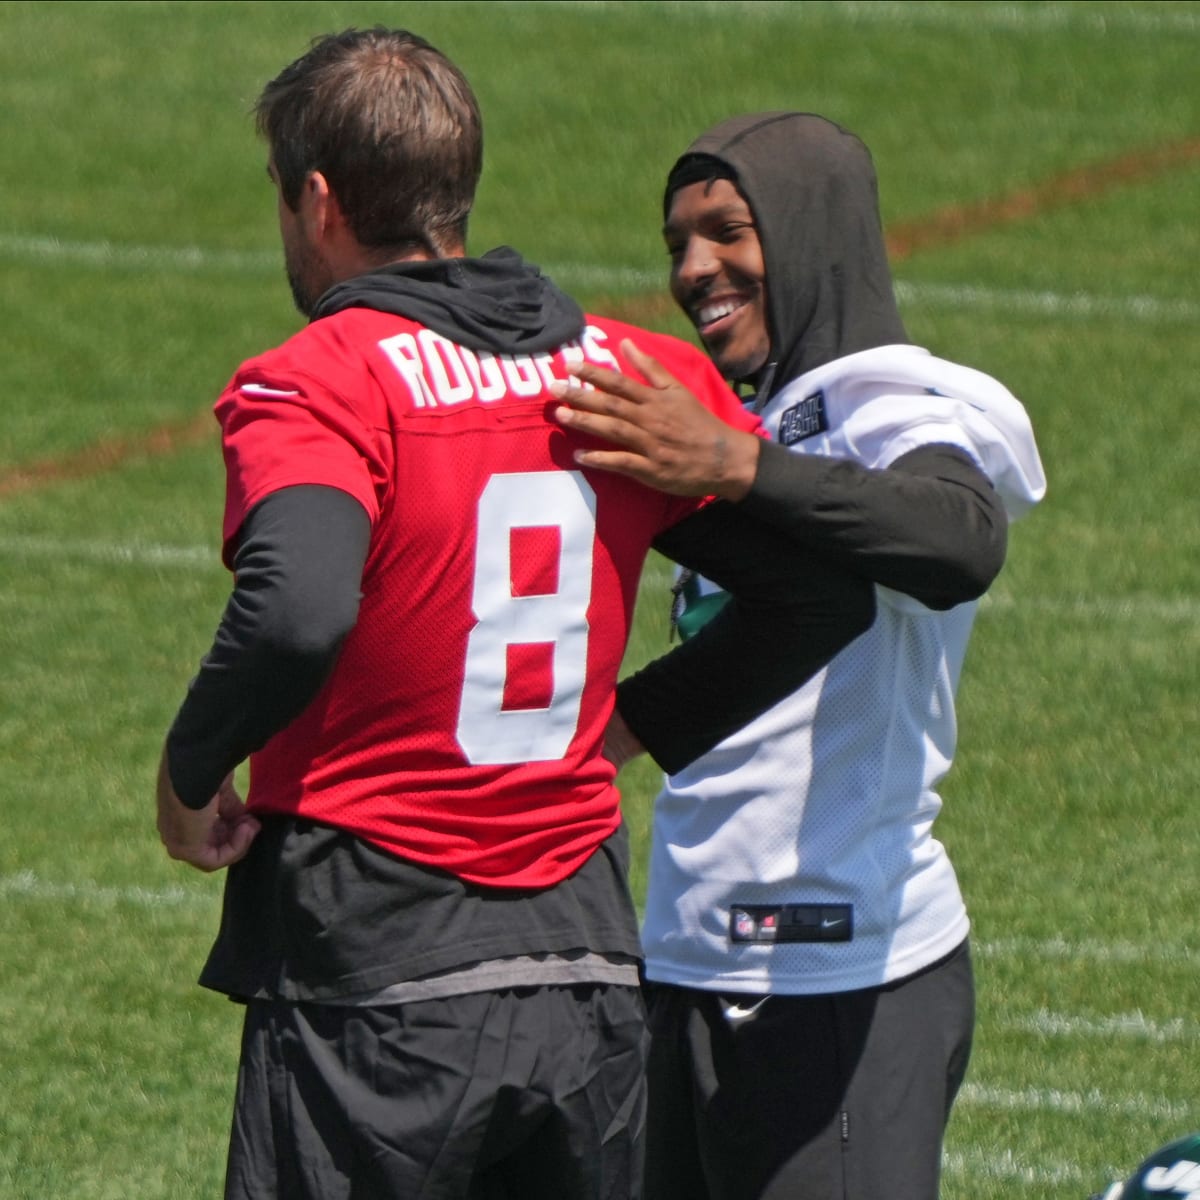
x=824, y=1097
x=519, y=1094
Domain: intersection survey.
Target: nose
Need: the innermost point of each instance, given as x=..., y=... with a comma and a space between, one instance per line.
x=695, y=265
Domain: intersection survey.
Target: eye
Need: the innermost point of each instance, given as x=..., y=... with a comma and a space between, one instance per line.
x=732, y=230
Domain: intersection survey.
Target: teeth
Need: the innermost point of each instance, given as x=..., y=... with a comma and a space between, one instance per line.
x=714, y=312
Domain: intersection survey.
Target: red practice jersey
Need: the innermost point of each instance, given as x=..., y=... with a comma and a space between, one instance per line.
x=462, y=726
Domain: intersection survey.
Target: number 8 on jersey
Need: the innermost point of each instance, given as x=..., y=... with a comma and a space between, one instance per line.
x=519, y=627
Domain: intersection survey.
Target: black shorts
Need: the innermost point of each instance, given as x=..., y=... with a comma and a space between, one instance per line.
x=806, y=1097
x=520, y=1094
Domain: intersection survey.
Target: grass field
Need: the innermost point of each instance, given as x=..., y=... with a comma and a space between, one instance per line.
x=1040, y=170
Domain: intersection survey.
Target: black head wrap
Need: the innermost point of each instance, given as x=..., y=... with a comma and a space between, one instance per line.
x=695, y=168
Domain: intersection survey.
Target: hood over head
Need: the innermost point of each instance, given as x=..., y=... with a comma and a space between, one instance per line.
x=811, y=187
x=498, y=302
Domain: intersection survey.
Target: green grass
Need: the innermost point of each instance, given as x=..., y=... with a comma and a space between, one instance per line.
x=139, y=265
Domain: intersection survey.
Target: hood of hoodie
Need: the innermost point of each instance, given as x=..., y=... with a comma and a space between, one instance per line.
x=811, y=187
x=498, y=302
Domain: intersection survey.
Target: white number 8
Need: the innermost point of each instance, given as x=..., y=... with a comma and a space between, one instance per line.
x=487, y=732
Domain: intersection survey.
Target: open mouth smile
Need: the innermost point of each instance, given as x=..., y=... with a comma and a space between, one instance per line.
x=715, y=315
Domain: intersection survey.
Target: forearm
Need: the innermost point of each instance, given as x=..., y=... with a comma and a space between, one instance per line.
x=789, y=614
x=298, y=570
x=740, y=664
x=930, y=525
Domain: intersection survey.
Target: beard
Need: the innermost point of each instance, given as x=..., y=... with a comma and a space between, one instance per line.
x=307, y=276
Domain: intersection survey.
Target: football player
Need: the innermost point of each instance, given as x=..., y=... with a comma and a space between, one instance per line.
x=811, y=997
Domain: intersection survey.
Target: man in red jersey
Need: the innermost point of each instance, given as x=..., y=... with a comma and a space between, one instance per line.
x=426, y=913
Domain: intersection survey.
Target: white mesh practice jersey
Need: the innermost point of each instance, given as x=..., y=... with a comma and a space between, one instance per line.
x=798, y=856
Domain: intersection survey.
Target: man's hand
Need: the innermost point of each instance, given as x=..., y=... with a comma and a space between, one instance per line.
x=620, y=742
x=670, y=441
x=209, y=838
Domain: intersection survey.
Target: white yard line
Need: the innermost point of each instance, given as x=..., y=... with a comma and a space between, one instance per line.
x=975, y=1164
x=123, y=256
x=1073, y=305
x=1065, y=305
x=1087, y=950
x=1022, y=18
x=1135, y=1025
x=929, y=14
x=28, y=886
x=1141, y=607
x=1088, y=1103
x=141, y=554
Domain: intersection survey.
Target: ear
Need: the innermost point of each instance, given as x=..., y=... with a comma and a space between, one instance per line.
x=318, y=208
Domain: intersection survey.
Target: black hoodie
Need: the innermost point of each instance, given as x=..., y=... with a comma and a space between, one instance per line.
x=931, y=525
x=811, y=187
x=498, y=302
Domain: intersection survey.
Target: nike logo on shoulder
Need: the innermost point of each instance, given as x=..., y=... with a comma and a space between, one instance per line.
x=261, y=389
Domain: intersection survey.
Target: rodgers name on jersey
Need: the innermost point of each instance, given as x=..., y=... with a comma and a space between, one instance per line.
x=440, y=372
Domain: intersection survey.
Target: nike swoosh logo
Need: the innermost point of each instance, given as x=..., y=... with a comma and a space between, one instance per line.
x=735, y=1013
x=261, y=389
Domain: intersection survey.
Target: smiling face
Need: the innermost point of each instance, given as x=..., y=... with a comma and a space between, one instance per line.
x=718, y=276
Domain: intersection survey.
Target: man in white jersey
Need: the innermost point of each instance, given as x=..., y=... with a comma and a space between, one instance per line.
x=810, y=991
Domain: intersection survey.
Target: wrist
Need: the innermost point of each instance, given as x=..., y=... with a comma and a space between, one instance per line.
x=738, y=465
x=621, y=744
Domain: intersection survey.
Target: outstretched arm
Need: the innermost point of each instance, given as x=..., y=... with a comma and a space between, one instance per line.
x=930, y=525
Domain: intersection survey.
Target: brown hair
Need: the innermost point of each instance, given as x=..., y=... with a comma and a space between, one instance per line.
x=393, y=126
